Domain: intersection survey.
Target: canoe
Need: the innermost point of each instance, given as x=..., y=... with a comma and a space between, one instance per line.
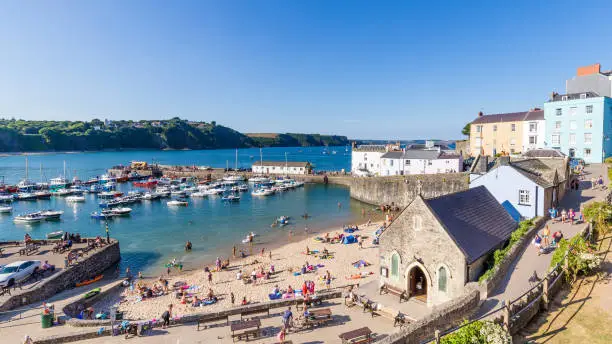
x=95, y=279
x=91, y=293
x=55, y=235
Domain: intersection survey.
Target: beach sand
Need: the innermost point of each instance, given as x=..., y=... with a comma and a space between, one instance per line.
x=286, y=260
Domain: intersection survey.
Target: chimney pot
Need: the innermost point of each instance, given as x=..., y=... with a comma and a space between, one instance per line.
x=479, y=113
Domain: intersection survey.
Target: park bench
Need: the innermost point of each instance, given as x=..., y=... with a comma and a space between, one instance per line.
x=245, y=329
x=29, y=249
x=208, y=319
x=245, y=314
x=395, y=291
x=358, y=336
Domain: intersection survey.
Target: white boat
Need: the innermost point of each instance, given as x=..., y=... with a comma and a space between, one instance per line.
x=63, y=192
x=29, y=218
x=109, y=194
x=243, y=188
x=178, y=192
x=51, y=214
x=26, y=196
x=6, y=209
x=259, y=180
x=262, y=192
x=110, y=185
x=75, y=198
x=42, y=194
x=121, y=211
x=106, y=178
x=6, y=198
x=231, y=198
x=214, y=191
x=58, y=182
x=199, y=194
x=177, y=203
x=149, y=196
x=104, y=214
x=233, y=178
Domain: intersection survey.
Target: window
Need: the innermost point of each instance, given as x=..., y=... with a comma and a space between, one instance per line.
x=513, y=127
x=524, y=197
x=395, y=265
x=588, y=123
x=587, y=153
x=478, y=142
x=429, y=162
x=588, y=138
x=442, y=279
x=558, y=112
x=417, y=222
x=589, y=109
x=512, y=142
x=533, y=140
x=583, y=96
x=495, y=127
x=407, y=162
x=479, y=128
x=573, y=110
x=556, y=140
x=533, y=127
x=564, y=97
x=572, y=139
x=558, y=125
x=572, y=125
x=391, y=162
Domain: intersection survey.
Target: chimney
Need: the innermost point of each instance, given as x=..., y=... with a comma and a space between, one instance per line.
x=479, y=113
x=553, y=94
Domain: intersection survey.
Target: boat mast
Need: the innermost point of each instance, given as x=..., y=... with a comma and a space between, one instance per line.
x=236, y=167
x=41, y=175
x=261, y=159
x=64, y=176
x=26, y=178
x=286, y=168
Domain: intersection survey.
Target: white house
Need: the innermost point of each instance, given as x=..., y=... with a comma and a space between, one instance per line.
x=534, y=130
x=365, y=159
x=420, y=161
x=281, y=167
x=519, y=190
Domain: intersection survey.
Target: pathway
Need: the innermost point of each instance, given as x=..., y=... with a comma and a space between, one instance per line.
x=516, y=281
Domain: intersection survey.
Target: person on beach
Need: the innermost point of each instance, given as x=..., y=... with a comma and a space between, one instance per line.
x=234, y=251
x=239, y=275
x=263, y=249
x=209, y=277
x=166, y=316
x=270, y=254
x=563, y=216
x=290, y=290
x=244, y=301
x=360, y=242
x=281, y=336
x=140, y=275
x=287, y=318
x=128, y=274
x=232, y=297
x=307, y=250
x=218, y=264
x=571, y=215
x=327, y=279
x=254, y=276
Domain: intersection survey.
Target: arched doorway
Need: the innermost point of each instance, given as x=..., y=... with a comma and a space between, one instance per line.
x=417, y=284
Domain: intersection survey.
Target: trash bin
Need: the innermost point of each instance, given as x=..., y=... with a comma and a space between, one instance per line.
x=119, y=316
x=46, y=320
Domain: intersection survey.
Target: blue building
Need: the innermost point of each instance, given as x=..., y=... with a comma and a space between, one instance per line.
x=580, y=125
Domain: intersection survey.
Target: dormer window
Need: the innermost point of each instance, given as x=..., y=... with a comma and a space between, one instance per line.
x=564, y=98
x=583, y=96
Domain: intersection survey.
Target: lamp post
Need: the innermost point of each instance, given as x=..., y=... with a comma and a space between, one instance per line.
x=107, y=232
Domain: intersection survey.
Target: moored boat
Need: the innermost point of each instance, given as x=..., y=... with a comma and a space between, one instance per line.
x=51, y=214
x=121, y=211
x=6, y=209
x=104, y=214
x=75, y=198
x=177, y=203
x=55, y=235
x=29, y=218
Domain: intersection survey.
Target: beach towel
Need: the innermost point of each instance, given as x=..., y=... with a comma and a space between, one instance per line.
x=275, y=296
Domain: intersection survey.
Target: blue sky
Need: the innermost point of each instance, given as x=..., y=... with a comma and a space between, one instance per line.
x=365, y=69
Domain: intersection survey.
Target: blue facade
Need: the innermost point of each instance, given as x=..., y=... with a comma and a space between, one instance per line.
x=580, y=127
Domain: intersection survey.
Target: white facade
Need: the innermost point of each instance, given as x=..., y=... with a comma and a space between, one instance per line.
x=420, y=162
x=534, y=133
x=278, y=168
x=364, y=159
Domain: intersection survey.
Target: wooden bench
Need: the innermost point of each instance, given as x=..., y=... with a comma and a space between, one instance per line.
x=395, y=291
x=29, y=249
x=246, y=328
x=361, y=335
x=205, y=320
x=246, y=313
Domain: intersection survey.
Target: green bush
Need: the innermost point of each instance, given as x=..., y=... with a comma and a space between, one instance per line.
x=580, y=257
x=478, y=332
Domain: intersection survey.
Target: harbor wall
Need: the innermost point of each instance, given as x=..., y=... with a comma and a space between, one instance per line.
x=92, y=265
x=401, y=190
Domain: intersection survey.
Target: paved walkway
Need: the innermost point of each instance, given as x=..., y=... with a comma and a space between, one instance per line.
x=516, y=281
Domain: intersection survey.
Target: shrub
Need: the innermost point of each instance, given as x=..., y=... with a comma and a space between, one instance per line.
x=580, y=258
x=600, y=214
x=478, y=332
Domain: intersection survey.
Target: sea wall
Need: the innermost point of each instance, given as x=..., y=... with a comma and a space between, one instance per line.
x=92, y=265
x=442, y=318
x=401, y=190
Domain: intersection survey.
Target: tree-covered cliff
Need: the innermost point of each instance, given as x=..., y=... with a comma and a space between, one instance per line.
x=28, y=136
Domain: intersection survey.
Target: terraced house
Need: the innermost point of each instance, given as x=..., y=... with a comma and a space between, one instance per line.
x=505, y=133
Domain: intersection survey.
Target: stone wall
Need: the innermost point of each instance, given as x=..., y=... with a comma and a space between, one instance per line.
x=90, y=266
x=401, y=190
x=442, y=318
x=490, y=285
x=463, y=147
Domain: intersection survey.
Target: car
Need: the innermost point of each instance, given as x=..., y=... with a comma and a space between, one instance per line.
x=17, y=272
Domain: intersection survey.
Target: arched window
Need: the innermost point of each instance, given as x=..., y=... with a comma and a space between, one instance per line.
x=395, y=265
x=442, y=279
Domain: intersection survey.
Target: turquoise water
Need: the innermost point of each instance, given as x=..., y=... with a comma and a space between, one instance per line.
x=155, y=233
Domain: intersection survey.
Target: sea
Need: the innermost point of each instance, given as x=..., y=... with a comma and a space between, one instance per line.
x=154, y=233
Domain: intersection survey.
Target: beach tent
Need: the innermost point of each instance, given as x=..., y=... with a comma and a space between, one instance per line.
x=349, y=239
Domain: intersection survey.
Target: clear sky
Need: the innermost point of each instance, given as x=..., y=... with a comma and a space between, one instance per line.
x=365, y=69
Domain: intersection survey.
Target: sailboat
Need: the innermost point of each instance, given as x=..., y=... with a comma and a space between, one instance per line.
x=26, y=184
x=259, y=179
x=61, y=181
x=234, y=177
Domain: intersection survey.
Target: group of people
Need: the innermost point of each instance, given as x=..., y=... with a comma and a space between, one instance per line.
x=544, y=241
x=597, y=182
x=569, y=216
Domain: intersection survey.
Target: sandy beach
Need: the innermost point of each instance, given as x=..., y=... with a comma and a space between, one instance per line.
x=286, y=259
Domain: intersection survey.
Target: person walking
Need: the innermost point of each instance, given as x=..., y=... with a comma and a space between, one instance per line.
x=166, y=316
x=545, y=236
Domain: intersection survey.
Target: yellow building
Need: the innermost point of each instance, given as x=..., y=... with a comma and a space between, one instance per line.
x=500, y=133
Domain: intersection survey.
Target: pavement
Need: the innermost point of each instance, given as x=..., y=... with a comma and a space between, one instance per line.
x=516, y=281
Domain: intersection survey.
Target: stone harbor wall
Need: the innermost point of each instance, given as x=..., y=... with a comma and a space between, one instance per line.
x=442, y=318
x=92, y=265
x=401, y=190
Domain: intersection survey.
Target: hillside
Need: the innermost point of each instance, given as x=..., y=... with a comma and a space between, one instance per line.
x=32, y=136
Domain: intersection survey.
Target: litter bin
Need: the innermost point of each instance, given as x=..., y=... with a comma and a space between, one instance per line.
x=46, y=320
x=119, y=316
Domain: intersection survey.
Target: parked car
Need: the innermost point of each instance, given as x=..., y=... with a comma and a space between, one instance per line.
x=17, y=272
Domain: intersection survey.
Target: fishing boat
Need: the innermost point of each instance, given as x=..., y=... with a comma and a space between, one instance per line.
x=42, y=194
x=51, y=214
x=29, y=218
x=121, y=211
x=26, y=196
x=104, y=214
x=63, y=192
x=109, y=194
x=55, y=235
x=75, y=199
x=150, y=183
x=177, y=203
x=5, y=209
x=230, y=198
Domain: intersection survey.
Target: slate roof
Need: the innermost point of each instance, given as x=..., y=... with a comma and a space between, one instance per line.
x=573, y=96
x=511, y=117
x=538, y=179
x=536, y=115
x=474, y=219
x=419, y=154
x=545, y=168
x=282, y=163
x=544, y=153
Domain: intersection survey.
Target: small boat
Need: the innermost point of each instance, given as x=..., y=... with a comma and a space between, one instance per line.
x=281, y=221
x=42, y=194
x=199, y=194
x=104, y=214
x=230, y=198
x=243, y=188
x=109, y=194
x=121, y=211
x=233, y=178
x=26, y=196
x=177, y=203
x=62, y=192
x=178, y=192
x=258, y=180
x=262, y=192
x=6, y=198
x=214, y=191
x=90, y=281
x=51, y=214
x=151, y=183
x=55, y=235
x=75, y=198
x=29, y=218
x=6, y=209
